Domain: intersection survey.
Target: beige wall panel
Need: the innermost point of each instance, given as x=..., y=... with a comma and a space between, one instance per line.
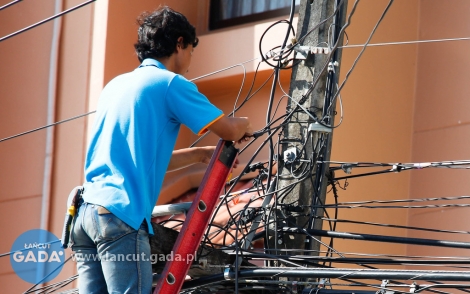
x=378, y=97
x=443, y=90
x=24, y=69
x=21, y=167
x=442, y=144
x=17, y=217
x=441, y=127
x=378, y=113
x=24, y=72
x=442, y=81
x=23, y=101
x=440, y=219
x=11, y=283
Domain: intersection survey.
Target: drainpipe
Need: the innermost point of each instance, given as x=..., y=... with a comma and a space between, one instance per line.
x=51, y=104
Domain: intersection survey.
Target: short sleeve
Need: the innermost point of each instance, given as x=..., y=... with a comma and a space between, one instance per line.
x=189, y=107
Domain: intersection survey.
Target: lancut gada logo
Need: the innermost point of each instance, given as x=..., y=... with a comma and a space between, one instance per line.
x=37, y=256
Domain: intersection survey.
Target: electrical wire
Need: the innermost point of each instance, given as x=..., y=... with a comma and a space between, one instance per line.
x=238, y=225
x=406, y=42
x=94, y=111
x=335, y=220
x=46, y=126
x=9, y=4
x=46, y=20
x=405, y=200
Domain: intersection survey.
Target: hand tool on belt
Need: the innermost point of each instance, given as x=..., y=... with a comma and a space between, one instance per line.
x=73, y=203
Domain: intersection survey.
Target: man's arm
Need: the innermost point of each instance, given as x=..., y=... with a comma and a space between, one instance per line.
x=185, y=157
x=232, y=128
x=227, y=128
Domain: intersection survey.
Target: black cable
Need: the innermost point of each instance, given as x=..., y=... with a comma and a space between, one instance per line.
x=55, y=286
x=407, y=200
x=360, y=261
x=397, y=206
x=273, y=90
x=380, y=238
x=46, y=20
x=46, y=126
x=325, y=66
x=9, y=4
x=278, y=66
x=43, y=279
x=24, y=249
x=335, y=220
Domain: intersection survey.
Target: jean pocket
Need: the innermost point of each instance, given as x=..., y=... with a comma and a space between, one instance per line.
x=110, y=227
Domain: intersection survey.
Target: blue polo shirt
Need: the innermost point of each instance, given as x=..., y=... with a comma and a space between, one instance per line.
x=137, y=121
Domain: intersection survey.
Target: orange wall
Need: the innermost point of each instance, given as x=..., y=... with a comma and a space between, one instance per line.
x=441, y=129
x=24, y=71
x=378, y=119
x=24, y=75
x=401, y=104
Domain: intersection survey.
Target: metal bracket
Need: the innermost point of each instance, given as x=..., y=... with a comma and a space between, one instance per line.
x=304, y=51
x=316, y=127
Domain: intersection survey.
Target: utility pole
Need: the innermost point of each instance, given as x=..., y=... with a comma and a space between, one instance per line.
x=303, y=141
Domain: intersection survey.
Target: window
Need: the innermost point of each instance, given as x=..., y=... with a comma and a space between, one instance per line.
x=225, y=13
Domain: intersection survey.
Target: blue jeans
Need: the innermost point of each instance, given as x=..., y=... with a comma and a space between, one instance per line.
x=111, y=256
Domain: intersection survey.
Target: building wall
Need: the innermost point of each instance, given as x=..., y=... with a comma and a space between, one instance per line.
x=378, y=102
x=401, y=104
x=25, y=68
x=441, y=129
x=24, y=61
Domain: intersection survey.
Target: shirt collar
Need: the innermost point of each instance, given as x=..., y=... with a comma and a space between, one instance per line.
x=152, y=62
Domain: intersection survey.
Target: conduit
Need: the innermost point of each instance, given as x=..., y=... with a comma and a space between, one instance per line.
x=51, y=105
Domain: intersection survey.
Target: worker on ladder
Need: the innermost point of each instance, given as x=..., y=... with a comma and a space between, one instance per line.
x=131, y=148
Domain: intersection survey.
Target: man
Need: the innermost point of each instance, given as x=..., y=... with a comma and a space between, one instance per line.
x=135, y=129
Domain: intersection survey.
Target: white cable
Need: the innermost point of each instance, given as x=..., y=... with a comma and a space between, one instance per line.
x=223, y=69
x=406, y=42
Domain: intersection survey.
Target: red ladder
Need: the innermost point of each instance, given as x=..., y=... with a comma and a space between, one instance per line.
x=197, y=218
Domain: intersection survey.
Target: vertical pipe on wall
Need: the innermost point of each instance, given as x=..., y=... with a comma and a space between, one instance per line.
x=51, y=105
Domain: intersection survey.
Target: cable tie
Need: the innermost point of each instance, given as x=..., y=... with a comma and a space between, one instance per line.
x=320, y=50
x=347, y=168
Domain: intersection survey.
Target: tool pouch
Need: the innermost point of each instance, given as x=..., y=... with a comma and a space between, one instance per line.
x=73, y=203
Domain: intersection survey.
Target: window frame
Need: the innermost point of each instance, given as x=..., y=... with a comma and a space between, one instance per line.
x=215, y=23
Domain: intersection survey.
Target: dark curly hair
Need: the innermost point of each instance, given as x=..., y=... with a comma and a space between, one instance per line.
x=159, y=32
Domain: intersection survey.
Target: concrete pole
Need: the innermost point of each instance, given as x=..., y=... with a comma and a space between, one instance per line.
x=318, y=100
